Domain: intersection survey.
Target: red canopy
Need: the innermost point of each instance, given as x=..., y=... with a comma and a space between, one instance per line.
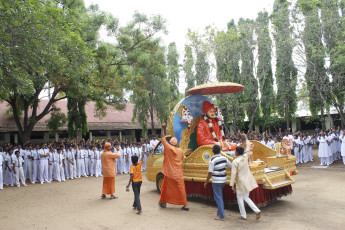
x=216, y=88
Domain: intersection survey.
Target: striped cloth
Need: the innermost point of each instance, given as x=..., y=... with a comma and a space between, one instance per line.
x=217, y=166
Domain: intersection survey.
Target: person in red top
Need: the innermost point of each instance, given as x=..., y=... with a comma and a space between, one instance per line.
x=136, y=178
x=173, y=188
x=209, y=131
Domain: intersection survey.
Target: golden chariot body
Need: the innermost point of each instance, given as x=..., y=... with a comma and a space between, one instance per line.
x=272, y=171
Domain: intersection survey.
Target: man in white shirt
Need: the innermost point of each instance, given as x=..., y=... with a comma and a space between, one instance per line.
x=44, y=155
x=18, y=169
x=1, y=171
x=153, y=142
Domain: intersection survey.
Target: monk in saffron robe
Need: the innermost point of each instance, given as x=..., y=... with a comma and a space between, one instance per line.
x=108, y=160
x=173, y=188
x=209, y=130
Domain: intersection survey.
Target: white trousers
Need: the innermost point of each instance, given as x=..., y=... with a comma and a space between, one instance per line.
x=36, y=171
x=98, y=168
x=87, y=166
x=93, y=167
x=310, y=150
x=81, y=168
x=51, y=173
x=344, y=160
x=1, y=179
x=26, y=169
x=44, y=170
x=20, y=174
x=72, y=170
x=240, y=200
x=325, y=161
x=59, y=172
x=30, y=170
x=66, y=169
x=297, y=155
x=9, y=177
x=126, y=168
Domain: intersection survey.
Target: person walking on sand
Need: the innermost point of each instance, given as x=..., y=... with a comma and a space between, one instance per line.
x=136, y=179
x=108, y=160
x=217, y=170
x=245, y=182
x=173, y=188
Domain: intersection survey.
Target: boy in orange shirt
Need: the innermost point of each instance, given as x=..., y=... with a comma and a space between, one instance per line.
x=136, y=179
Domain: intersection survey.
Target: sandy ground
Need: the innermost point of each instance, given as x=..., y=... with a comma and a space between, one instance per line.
x=317, y=202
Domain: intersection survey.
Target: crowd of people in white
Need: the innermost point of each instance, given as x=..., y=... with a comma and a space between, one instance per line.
x=331, y=144
x=61, y=161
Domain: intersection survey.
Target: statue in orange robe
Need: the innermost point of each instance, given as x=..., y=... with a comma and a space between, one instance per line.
x=173, y=188
x=108, y=160
x=208, y=130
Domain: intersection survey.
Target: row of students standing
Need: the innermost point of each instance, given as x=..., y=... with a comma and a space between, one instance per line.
x=123, y=163
x=45, y=163
x=41, y=164
x=302, y=147
x=331, y=146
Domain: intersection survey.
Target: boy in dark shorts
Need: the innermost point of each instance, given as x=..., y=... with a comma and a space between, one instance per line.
x=136, y=180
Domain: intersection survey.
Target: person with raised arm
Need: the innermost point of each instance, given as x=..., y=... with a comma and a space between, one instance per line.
x=173, y=188
x=108, y=160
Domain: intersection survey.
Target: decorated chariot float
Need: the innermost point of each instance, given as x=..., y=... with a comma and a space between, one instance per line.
x=196, y=132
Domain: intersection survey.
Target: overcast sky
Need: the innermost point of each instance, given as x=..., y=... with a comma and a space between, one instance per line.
x=186, y=14
x=183, y=15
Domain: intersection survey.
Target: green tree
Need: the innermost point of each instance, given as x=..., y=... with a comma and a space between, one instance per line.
x=264, y=67
x=150, y=85
x=41, y=45
x=173, y=74
x=188, y=64
x=286, y=73
x=333, y=34
x=314, y=51
x=250, y=97
x=57, y=120
x=227, y=54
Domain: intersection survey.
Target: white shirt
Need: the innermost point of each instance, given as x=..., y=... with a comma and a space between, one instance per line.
x=153, y=143
x=18, y=162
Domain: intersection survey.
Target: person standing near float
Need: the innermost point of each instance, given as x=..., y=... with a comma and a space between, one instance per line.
x=108, y=160
x=173, y=188
x=342, y=140
x=217, y=171
x=245, y=181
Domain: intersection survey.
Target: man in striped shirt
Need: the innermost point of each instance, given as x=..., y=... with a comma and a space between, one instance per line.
x=217, y=170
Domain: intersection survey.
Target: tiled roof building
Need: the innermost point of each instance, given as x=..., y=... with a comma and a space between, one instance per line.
x=116, y=123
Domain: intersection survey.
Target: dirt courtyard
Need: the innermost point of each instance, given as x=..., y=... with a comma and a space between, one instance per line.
x=317, y=202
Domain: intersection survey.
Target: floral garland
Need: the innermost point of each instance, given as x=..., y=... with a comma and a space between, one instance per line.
x=208, y=120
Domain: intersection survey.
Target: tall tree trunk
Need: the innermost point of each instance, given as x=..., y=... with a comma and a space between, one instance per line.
x=151, y=115
x=322, y=118
x=287, y=116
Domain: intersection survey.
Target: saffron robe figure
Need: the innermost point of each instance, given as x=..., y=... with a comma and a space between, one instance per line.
x=173, y=188
x=209, y=129
x=108, y=160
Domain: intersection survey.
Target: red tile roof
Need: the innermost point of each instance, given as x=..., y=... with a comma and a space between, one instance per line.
x=113, y=120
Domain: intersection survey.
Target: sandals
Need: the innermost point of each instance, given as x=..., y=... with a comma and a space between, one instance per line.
x=103, y=196
x=258, y=215
x=162, y=206
x=113, y=197
x=185, y=209
x=220, y=219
